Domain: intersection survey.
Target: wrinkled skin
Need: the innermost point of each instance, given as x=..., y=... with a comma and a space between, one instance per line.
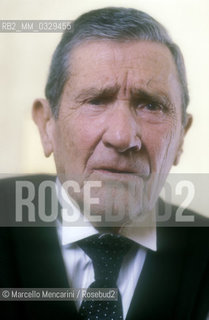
x=120, y=122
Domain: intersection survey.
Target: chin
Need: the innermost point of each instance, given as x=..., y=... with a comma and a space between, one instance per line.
x=114, y=209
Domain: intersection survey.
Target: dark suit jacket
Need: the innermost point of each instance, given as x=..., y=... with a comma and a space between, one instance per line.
x=174, y=283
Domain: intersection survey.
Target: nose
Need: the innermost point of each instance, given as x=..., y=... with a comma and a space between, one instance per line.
x=122, y=132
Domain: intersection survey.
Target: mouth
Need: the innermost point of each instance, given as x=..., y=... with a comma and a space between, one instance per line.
x=115, y=173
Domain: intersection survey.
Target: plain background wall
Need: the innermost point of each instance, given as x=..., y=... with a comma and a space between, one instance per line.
x=24, y=63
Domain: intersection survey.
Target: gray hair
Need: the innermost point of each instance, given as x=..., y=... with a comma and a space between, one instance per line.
x=117, y=24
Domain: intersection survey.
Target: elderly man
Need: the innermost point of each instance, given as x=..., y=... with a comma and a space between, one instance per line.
x=114, y=118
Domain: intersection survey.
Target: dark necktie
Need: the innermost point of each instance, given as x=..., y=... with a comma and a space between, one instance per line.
x=107, y=252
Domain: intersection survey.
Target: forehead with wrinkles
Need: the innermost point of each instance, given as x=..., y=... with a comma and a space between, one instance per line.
x=122, y=68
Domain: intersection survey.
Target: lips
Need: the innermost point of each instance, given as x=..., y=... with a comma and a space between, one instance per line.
x=125, y=172
x=117, y=170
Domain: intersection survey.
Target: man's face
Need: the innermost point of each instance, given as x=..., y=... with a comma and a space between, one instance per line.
x=119, y=123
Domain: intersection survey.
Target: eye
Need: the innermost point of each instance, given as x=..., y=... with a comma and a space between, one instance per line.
x=101, y=100
x=153, y=106
x=96, y=101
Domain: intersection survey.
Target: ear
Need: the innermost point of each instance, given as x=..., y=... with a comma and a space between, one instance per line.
x=185, y=129
x=44, y=119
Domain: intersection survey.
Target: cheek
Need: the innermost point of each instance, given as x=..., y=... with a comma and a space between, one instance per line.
x=161, y=147
x=78, y=138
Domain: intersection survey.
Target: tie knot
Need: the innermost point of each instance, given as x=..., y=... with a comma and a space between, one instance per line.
x=107, y=252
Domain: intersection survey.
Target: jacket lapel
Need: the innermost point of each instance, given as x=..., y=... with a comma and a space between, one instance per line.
x=40, y=265
x=157, y=289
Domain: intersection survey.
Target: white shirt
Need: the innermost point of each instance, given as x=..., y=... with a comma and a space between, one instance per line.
x=79, y=266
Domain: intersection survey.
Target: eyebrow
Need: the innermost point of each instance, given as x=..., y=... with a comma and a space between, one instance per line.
x=98, y=92
x=136, y=94
x=142, y=94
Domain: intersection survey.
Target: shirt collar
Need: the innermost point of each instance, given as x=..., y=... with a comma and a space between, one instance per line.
x=141, y=231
